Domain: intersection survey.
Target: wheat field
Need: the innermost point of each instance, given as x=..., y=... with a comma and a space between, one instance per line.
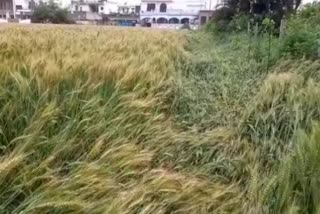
x=117, y=120
x=85, y=125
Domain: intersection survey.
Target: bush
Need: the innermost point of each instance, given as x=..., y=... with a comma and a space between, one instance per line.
x=51, y=13
x=311, y=12
x=302, y=33
x=301, y=39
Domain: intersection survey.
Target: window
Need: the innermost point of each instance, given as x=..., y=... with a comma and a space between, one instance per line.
x=80, y=8
x=151, y=7
x=18, y=7
x=76, y=7
x=137, y=9
x=101, y=8
x=163, y=8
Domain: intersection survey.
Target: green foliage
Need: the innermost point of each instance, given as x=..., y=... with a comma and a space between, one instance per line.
x=311, y=12
x=214, y=84
x=258, y=10
x=51, y=13
x=268, y=25
x=285, y=103
x=298, y=178
x=225, y=84
x=300, y=39
x=302, y=34
x=240, y=23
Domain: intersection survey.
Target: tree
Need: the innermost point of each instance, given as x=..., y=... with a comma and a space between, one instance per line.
x=259, y=9
x=50, y=13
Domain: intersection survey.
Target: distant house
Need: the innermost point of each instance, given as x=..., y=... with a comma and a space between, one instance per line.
x=171, y=11
x=16, y=9
x=6, y=9
x=86, y=10
x=108, y=7
x=24, y=8
x=126, y=15
x=92, y=10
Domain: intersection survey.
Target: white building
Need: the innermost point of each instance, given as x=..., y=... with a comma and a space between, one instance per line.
x=6, y=9
x=24, y=8
x=127, y=9
x=94, y=6
x=171, y=11
x=108, y=7
x=19, y=9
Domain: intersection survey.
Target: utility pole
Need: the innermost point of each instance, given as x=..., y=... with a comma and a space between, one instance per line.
x=14, y=8
x=210, y=4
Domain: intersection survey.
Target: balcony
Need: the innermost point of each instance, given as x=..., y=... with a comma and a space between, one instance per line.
x=171, y=12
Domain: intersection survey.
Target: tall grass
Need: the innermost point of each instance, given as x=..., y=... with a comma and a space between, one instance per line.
x=261, y=112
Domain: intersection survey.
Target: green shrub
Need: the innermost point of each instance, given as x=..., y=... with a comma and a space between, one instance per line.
x=302, y=33
x=301, y=39
x=311, y=12
x=300, y=44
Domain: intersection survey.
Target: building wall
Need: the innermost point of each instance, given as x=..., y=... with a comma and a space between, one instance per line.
x=23, y=3
x=5, y=4
x=188, y=5
x=108, y=7
x=177, y=11
x=173, y=26
x=24, y=9
x=6, y=9
x=127, y=9
x=80, y=7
